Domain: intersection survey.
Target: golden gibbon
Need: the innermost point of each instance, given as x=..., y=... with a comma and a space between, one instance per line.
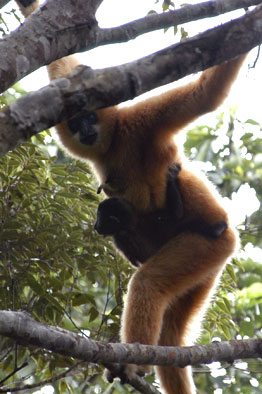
x=131, y=149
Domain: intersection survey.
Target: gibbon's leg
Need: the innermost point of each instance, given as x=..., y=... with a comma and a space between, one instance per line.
x=184, y=263
x=179, y=328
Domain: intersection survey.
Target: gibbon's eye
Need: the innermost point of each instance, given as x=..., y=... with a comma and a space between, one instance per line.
x=92, y=118
x=74, y=125
x=82, y=125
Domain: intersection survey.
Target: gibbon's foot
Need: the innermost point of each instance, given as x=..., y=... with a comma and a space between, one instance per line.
x=131, y=370
x=126, y=372
x=120, y=374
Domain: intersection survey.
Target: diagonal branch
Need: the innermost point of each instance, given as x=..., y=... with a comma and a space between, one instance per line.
x=60, y=28
x=86, y=88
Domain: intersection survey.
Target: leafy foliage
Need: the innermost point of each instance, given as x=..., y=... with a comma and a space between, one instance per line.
x=52, y=263
x=230, y=150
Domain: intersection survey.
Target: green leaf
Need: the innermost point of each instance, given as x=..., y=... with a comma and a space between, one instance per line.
x=253, y=122
x=222, y=306
x=80, y=299
x=93, y=314
x=231, y=272
x=226, y=332
x=34, y=285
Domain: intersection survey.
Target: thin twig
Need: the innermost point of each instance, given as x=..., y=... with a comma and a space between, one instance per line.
x=13, y=372
x=257, y=57
x=42, y=383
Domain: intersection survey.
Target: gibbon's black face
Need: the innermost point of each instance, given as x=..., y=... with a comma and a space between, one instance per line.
x=107, y=225
x=113, y=215
x=84, y=125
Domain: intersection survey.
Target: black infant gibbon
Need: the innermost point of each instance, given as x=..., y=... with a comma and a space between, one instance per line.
x=131, y=149
x=140, y=236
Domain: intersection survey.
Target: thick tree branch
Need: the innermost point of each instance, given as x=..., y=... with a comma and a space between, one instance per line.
x=86, y=88
x=60, y=28
x=27, y=332
x=35, y=43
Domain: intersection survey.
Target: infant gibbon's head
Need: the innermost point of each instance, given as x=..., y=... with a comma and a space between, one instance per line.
x=114, y=215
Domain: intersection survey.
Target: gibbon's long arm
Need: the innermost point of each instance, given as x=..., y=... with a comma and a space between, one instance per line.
x=184, y=104
x=180, y=106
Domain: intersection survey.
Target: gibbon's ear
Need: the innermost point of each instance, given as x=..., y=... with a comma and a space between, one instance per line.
x=113, y=215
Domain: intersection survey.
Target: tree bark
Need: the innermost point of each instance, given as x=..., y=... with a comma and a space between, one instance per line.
x=94, y=89
x=28, y=332
x=60, y=28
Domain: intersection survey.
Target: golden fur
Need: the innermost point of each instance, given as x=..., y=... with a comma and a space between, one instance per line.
x=167, y=295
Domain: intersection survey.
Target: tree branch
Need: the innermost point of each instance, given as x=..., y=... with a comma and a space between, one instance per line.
x=183, y=15
x=28, y=332
x=60, y=28
x=94, y=89
x=34, y=43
